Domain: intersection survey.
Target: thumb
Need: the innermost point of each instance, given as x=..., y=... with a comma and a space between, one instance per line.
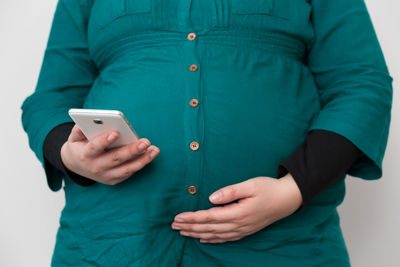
x=76, y=134
x=230, y=193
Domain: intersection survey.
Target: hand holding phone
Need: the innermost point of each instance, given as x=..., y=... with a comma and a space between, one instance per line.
x=94, y=122
x=101, y=159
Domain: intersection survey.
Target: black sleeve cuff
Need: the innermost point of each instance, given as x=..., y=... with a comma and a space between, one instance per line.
x=52, y=148
x=318, y=162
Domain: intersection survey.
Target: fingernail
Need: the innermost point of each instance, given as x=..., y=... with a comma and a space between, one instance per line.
x=153, y=153
x=142, y=146
x=176, y=227
x=216, y=196
x=179, y=220
x=112, y=137
x=184, y=233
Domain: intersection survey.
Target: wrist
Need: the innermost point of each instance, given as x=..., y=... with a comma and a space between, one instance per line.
x=63, y=156
x=72, y=175
x=290, y=185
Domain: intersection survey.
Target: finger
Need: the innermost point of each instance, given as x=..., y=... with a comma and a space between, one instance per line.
x=98, y=144
x=126, y=169
x=206, y=227
x=76, y=134
x=211, y=235
x=233, y=192
x=117, y=156
x=227, y=213
x=218, y=240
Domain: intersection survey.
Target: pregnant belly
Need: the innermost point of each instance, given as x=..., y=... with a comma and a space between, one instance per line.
x=247, y=121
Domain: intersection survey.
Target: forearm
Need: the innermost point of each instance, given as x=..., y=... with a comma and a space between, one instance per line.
x=318, y=162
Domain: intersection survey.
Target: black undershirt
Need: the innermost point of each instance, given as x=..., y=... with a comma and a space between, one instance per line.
x=317, y=163
x=52, y=152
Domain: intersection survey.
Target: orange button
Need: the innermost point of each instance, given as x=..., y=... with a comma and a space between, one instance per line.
x=193, y=67
x=192, y=189
x=194, y=145
x=194, y=102
x=191, y=36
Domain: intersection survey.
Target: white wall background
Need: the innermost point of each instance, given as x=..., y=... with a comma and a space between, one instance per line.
x=29, y=211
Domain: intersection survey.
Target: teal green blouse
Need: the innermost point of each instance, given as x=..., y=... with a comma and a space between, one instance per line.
x=264, y=72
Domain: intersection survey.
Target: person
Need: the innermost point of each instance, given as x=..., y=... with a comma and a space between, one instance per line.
x=267, y=104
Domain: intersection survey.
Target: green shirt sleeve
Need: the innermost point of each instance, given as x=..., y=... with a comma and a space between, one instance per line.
x=66, y=76
x=354, y=85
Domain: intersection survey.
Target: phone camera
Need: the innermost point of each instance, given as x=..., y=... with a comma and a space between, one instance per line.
x=98, y=121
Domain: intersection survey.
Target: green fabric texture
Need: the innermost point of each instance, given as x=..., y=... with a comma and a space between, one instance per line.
x=268, y=72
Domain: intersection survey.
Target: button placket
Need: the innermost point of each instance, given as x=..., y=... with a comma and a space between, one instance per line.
x=193, y=127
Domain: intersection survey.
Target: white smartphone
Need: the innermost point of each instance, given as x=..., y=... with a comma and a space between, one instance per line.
x=94, y=122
